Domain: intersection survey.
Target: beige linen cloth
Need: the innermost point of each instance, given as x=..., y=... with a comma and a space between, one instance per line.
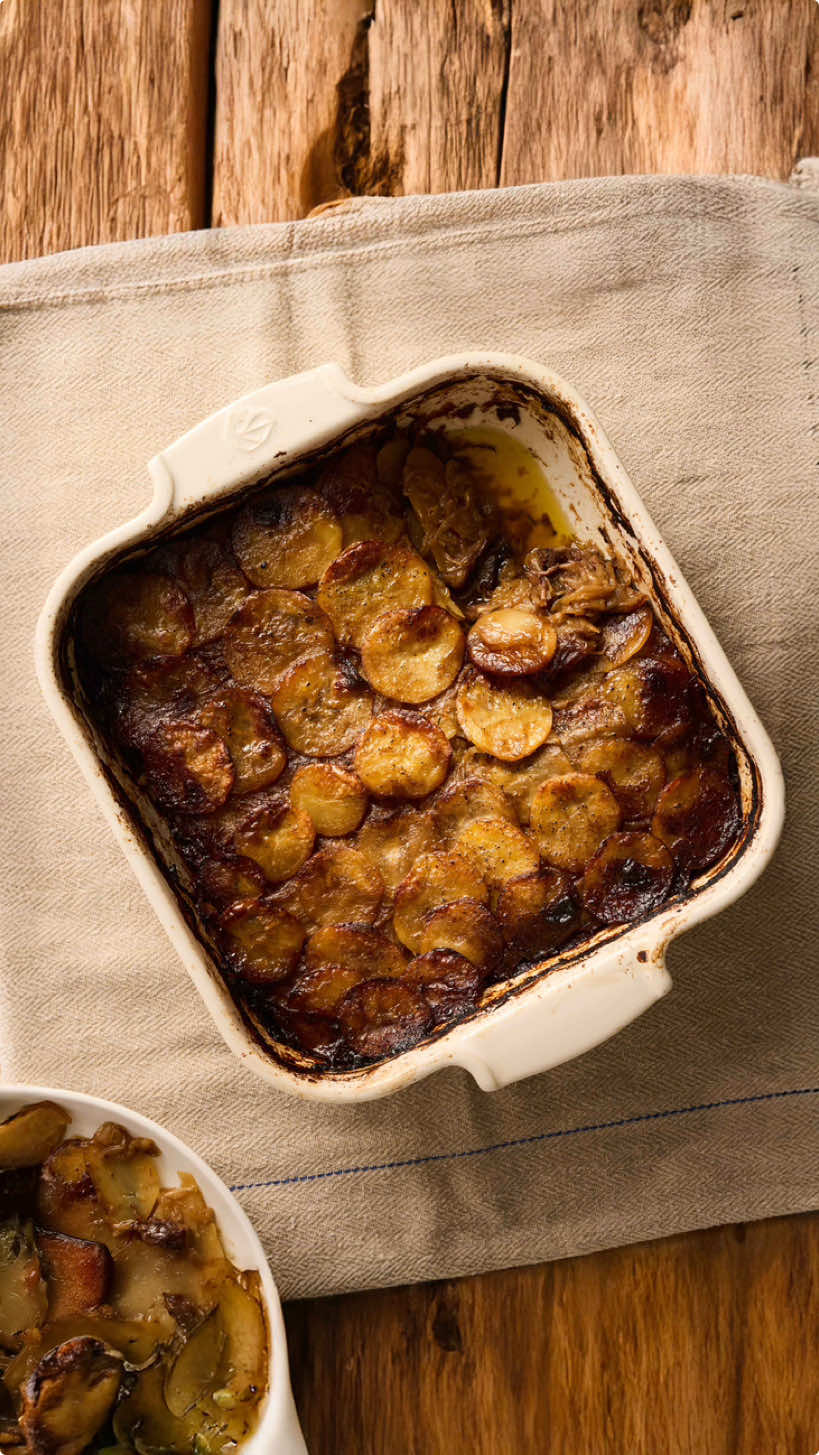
x=684, y=310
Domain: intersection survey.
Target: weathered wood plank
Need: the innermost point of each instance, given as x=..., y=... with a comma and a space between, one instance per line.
x=103, y=116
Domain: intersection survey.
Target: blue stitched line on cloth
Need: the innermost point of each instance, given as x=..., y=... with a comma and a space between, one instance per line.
x=649, y=1116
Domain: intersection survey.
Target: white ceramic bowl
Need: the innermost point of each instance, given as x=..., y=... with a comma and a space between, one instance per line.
x=278, y=1428
x=549, y=1013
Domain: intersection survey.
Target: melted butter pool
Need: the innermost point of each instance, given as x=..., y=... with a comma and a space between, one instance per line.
x=514, y=479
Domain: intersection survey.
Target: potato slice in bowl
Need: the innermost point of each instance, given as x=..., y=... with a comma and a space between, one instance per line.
x=468, y=801
x=412, y=654
x=402, y=755
x=395, y=840
x=245, y=724
x=449, y=983
x=571, y=816
x=507, y=722
x=381, y=1017
x=272, y=631
x=334, y=797
x=634, y=771
x=367, y=509
x=212, y=581
x=439, y=878
x=512, y=642
x=288, y=538
x=133, y=617
x=539, y=912
x=264, y=941
x=322, y=706
x=188, y=767
x=355, y=947
x=628, y=877
x=279, y=839
x=368, y=579
x=466, y=928
x=339, y=885
x=501, y=850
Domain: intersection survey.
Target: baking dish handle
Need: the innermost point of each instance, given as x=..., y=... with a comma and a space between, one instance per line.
x=568, y=1012
x=247, y=439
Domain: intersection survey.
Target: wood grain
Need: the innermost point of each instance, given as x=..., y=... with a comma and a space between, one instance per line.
x=103, y=111
x=697, y=1345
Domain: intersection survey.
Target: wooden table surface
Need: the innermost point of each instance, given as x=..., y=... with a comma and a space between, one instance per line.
x=123, y=118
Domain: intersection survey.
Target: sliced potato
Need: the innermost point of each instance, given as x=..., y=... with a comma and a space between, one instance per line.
x=170, y=688
x=287, y=538
x=412, y=654
x=445, y=502
x=394, y=841
x=245, y=723
x=355, y=948
x=402, y=755
x=467, y=928
x=69, y=1397
x=340, y=885
x=132, y=616
x=634, y=772
x=520, y=781
x=368, y=579
x=468, y=801
x=312, y=1033
x=265, y=940
x=508, y=722
x=439, y=878
x=571, y=816
x=272, y=631
x=500, y=849
x=512, y=642
x=23, y=1292
x=279, y=839
x=382, y=1017
x=194, y=1372
x=78, y=1273
x=188, y=767
x=653, y=695
x=212, y=581
x=450, y=983
x=595, y=715
x=539, y=912
x=322, y=989
x=624, y=634
x=630, y=875
x=697, y=817
x=361, y=496
x=335, y=798
x=28, y=1136
x=322, y=706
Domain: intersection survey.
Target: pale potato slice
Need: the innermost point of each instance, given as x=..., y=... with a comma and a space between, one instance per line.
x=368, y=579
x=445, y=502
x=468, y=801
x=133, y=616
x=322, y=706
x=187, y=767
x=402, y=755
x=383, y=1017
x=335, y=798
x=634, y=772
x=627, y=878
x=539, y=912
x=467, y=928
x=571, y=816
x=624, y=634
x=214, y=585
x=366, y=502
x=264, y=940
x=288, y=538
x=339, y=885
x=366, y=951
x=245, y=724
x=279, y=839
x=512, y=642
x=412, y=654
x=269, y=633
x=394, y=841
x=438, y=878
x=508, y=722
x=321, y=989
x=500, y=849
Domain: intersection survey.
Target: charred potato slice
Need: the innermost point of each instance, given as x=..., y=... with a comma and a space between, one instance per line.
x=79, y=1273
x=286, y=539
x=311, y=1032
x=511, y=642
x=412, y=654
x=467, y=929
x=507, y=722
x=134, y=616
x=382, y=1017
x=571, y=816
x=355, y=948
x=369, y=579
x=449, y=983
x=212, y=581
x=69, y=1396
x=697, y=817
x=322, y=706
x=321, y=990
x=467, y=802
x=340, y=885
x=444, y=500
x=624, y=634
x=188, y=767
x=394, y=841
x=634, y=772
x=537, y=913
x=271, y=632
x=402, y=755
x=279, y=839
x=265, y=941
x=246, y=725
x=360, y=493
x=500, y=849
x=438, y=878
x=630, y=875
x=335, y=798
x=653, y=695
x=173, y=688
x=28, y=1136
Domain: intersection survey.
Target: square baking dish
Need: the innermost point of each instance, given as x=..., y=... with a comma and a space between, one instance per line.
x=559, y=1007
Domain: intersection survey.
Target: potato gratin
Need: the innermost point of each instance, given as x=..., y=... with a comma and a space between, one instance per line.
x=405, y=740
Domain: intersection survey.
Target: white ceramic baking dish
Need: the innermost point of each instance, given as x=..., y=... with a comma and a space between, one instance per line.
x=278, y=1427
x=550, y=1012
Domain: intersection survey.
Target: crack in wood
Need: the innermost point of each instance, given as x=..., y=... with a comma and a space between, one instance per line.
x=504, y=11
x=360, y=170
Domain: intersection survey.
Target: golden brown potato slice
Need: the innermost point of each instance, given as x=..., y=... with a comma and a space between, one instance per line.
x=653, y=695
x=69, y=1397
x=634, y=772
x=697, y=817
x=439, y=878
x=468, y=801
x=507, y=722
x=382, y=1017
x=188, y=767
x=355, y=948
x=225, y=881
x=537, y=913
x=630, y=875
x=450, y=983
x=246, y=725
x=340, y=885
x=265, y=941
x=322, y=706
x=467, y=928
x=445, y=502
x=500, y=849
x=132, y=616
x=321, y=988
x=361, y=496
x=394, y=841
x=571, y=816
x=402, y=755
x=368, y=579
x=520, y=781
x=288, y=538
x=31, y=1134
x=624, y=634
x=335, y=798
x=412, y=654
x=512, y=642
x=214, y=585
x=272, y=631
x=279, y=839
